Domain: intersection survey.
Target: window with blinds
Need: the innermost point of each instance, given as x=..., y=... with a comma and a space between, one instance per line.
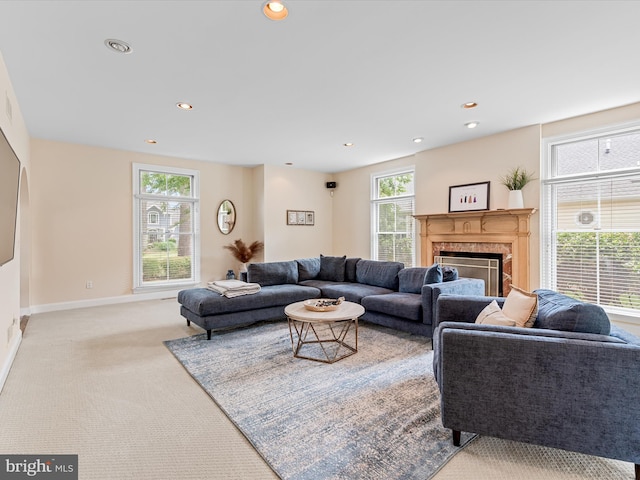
x=393, y=225
x=591, y=219
x=165, y=225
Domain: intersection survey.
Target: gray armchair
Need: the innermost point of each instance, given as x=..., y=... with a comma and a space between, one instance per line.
x=571, y=390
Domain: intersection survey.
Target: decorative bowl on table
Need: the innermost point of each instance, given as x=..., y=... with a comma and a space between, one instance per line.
x=323, y=304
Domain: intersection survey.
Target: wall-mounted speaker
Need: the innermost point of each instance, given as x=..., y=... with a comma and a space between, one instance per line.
x=332, y=184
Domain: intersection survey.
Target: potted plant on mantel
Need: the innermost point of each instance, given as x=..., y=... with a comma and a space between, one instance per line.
x=244, y=253
x=515, y=180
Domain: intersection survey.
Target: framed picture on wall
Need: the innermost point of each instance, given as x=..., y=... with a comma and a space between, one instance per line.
x=466, y=198
x=310, y=218
x=292, y=217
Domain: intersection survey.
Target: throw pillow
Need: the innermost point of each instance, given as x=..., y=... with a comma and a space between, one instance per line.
x=411, y=279
x=561, y=312
x=308, y=268
x=449, y=274
x=332, y=268
x=492, y=315
x=521, y=306
x=433, y=275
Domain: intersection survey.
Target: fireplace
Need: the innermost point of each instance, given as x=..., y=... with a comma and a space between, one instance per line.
x=485, y=266
x=503, y=233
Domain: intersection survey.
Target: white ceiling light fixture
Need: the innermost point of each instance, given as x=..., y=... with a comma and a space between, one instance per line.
x=418, y=140
x=469, y=105
x=348, y=144
x=471, y=124
x=275, y=10
x=184, y=106
x=118, y=46
x=151, y=141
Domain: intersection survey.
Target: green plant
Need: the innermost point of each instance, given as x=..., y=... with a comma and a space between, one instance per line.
x=517, y=178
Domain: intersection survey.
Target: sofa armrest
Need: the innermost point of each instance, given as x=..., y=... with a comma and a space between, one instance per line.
x=579, y=392
x=432, y=291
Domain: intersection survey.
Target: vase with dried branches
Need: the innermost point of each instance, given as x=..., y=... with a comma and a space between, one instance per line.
x=243, y=252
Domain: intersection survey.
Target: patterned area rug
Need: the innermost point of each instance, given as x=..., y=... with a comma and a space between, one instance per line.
x=375, y=414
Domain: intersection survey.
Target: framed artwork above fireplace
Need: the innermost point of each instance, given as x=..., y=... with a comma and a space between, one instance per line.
x=470, y=197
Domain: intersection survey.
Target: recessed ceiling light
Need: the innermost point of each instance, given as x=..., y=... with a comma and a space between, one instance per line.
x=348, y=144
x=151, y=141
x=275, y=10
x=469, y=105
x=118, y=45
x=184, y=106
x=418, y=140
x=472, y=124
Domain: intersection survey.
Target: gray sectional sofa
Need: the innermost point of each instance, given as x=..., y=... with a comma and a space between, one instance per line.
x=393, y=296
x=570, y=382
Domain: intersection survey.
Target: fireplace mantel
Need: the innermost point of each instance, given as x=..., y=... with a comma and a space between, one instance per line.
x=508, y=227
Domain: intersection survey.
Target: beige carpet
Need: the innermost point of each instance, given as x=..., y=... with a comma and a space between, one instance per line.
x=98, y=382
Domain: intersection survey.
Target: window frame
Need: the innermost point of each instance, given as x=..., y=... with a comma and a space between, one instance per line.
x=374, y=201
x=548, y=204
x=138, y=284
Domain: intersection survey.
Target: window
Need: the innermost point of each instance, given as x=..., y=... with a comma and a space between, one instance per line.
x=166, y=250
x=393, y=225
x=591, y=219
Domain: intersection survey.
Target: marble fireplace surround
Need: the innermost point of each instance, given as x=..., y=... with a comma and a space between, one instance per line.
x=505, y=232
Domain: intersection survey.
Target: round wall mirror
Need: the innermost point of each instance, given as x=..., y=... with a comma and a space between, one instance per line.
x=226, y=217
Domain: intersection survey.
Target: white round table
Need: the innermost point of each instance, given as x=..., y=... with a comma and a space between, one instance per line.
x=324, y=336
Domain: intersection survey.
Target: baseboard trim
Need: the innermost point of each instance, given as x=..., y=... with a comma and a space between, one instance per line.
x=97, y=302
x=13, y=351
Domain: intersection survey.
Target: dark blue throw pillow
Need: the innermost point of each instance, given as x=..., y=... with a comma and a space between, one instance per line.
x=332, y=268
x=560, y=312
x=449, y=274
x=433, y=275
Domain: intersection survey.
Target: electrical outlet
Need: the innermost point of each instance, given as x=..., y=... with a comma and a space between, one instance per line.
x=89, y=284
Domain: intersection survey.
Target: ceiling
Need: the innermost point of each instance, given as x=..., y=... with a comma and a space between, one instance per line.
x=374, y=73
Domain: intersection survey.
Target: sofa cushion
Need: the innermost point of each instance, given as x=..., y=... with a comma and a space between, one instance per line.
x=352, y=292
x=332, y=268
x=560, y=312
x=493, y=315
x=411, y=279
x=449, y=274
x=521, y=306
x=350, y=269
x=273, y=273
x=398, y=304
x=433, y=275
x=308, y=268
x=380, y=274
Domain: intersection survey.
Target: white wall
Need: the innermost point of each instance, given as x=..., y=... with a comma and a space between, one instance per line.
x=288, y=188
x=82, y=219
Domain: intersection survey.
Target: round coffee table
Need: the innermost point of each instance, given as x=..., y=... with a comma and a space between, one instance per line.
x=324, y=336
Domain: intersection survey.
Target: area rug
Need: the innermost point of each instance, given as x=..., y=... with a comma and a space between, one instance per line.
x=375, y=414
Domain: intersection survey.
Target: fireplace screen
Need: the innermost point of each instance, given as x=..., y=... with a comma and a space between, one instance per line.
x=486, y=266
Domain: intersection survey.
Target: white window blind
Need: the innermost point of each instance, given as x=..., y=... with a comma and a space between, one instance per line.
x=393, y=207
x=165, y=226
x=591, y=220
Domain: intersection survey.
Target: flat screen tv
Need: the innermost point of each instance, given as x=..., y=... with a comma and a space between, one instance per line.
x=9, y=183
